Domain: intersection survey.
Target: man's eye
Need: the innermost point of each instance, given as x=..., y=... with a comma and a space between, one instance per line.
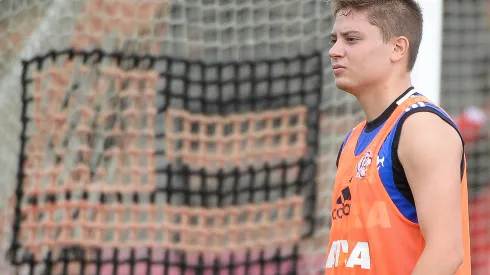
x=333, y=41
x=351, y=39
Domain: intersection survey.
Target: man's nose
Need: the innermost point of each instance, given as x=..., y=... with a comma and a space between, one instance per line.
x=336, y=50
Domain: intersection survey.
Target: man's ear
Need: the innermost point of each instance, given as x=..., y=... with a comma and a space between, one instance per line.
x=400, y=48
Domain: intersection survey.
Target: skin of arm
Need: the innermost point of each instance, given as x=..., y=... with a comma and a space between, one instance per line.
x=431, y=151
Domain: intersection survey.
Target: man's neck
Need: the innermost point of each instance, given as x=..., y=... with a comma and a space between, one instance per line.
x=374, y=101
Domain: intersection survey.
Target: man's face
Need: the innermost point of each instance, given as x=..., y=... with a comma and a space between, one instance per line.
x=359, y=56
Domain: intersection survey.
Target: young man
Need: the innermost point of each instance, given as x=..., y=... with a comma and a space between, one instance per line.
x=399, y=204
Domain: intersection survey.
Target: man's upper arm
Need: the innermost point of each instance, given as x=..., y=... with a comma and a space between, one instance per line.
x=430, y=151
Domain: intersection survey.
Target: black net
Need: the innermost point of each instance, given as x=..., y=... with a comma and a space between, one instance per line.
x=103, y=174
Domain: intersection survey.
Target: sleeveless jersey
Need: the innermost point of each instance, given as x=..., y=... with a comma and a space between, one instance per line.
x=373, y=231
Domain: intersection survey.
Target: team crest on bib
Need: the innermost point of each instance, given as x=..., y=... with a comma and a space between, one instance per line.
x=363, y=165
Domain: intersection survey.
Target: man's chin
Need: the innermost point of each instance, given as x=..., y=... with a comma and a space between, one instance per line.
x=342, y=85
x=345, y=86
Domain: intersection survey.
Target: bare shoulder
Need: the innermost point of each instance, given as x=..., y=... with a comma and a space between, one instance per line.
x=425, y=128
x=426, y=140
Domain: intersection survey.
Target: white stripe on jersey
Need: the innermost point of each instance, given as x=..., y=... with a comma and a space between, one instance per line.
x=405, y=97
x=415, y=106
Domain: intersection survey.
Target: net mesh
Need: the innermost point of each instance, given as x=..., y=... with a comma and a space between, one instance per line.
x=466, y=94
x=213, y=70
x=102, y=172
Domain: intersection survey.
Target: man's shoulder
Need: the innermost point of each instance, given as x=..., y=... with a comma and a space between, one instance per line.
x=426, y=116
x=425, y=129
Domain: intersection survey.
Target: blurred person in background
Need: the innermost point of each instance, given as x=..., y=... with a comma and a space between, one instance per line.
x=474, y=124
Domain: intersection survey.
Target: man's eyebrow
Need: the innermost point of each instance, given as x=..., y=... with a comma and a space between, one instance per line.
x=345, y=33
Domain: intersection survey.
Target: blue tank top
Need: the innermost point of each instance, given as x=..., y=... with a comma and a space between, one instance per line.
x=389, y=167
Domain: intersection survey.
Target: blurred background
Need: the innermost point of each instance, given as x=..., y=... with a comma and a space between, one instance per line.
x=291, y=37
